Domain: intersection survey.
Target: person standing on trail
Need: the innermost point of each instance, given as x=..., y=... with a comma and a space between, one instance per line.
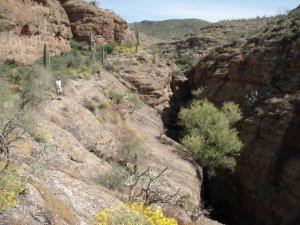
x=58, y=88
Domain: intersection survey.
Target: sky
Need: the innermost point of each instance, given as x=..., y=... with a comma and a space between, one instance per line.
x=210, y=10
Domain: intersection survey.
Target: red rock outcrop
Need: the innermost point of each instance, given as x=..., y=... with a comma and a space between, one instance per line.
x=147, y=75
x=25, y=26
x=263, y=76
x=85, y=17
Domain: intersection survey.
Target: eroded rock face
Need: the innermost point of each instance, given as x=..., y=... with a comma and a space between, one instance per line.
x=84, y=131
x=25, y=26
x=264, y=78
x=105, y=25
x=146, y=74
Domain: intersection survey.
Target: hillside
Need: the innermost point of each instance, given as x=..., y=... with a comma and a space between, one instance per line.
x=97, y=147
x=169, y=29
x=68, y=174
x=102, y=145
x=260, y=72
x=198, y=44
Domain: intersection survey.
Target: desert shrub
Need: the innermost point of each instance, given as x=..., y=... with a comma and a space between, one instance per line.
x=81, y=46
x=115, y=178
x=11, y=72
x=198, y=93
x=288, y=35
x=115, y=96
x=95, y=68
x=133, y=214
x=176, y=74
x=127, y=47
x=104, y=105
x=210, y=137
x=297, y=22
x=18, y=105
x=68, y=65
x=109, y=48
x=109, y=67
x=11, y=189
x=13, y=122
x=135, y=100
x=76, y=63
x=105, y=90
x=42, y=136
x=8, y=101
x=185, y=62
x=34, y=82
x=130, y=149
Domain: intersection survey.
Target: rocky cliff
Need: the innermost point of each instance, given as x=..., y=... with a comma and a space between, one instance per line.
x=84, y=17
x=146, y=74
x=263, y=77
x=26, y=25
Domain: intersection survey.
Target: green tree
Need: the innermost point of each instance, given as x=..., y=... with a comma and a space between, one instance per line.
x=209, y=134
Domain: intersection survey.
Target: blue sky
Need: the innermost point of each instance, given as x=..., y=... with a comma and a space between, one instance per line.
x=211, y=10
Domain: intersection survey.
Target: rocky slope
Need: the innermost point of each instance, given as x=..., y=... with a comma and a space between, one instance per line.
x=26, y=25
x=199, y=42
x=166, y=30
x=262, y=76
x=81, y=135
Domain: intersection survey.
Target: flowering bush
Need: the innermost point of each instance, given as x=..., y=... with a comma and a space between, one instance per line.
x=11, y=188
x=133, y=214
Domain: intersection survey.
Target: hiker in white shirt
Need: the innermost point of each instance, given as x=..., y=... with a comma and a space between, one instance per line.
x=58, y=88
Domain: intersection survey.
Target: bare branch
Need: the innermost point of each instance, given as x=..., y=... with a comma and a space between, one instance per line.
x=150, y=189
x=6, y=133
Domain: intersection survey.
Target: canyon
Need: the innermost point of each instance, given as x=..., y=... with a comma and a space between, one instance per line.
x=257, y=68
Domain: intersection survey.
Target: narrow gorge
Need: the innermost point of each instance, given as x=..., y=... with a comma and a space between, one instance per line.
x=262, y=76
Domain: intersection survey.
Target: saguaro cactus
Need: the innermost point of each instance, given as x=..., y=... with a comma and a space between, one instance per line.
x=91, y=42
x=102, y=54
x=46, y=56
x=137, y=38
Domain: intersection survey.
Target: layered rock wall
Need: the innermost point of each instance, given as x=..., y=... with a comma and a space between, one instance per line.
x=147, y=75
x=263, y=77
x=105, y=25
x=25, y=25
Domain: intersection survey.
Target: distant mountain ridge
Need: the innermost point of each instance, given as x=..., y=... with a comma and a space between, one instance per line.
x=169, y=29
